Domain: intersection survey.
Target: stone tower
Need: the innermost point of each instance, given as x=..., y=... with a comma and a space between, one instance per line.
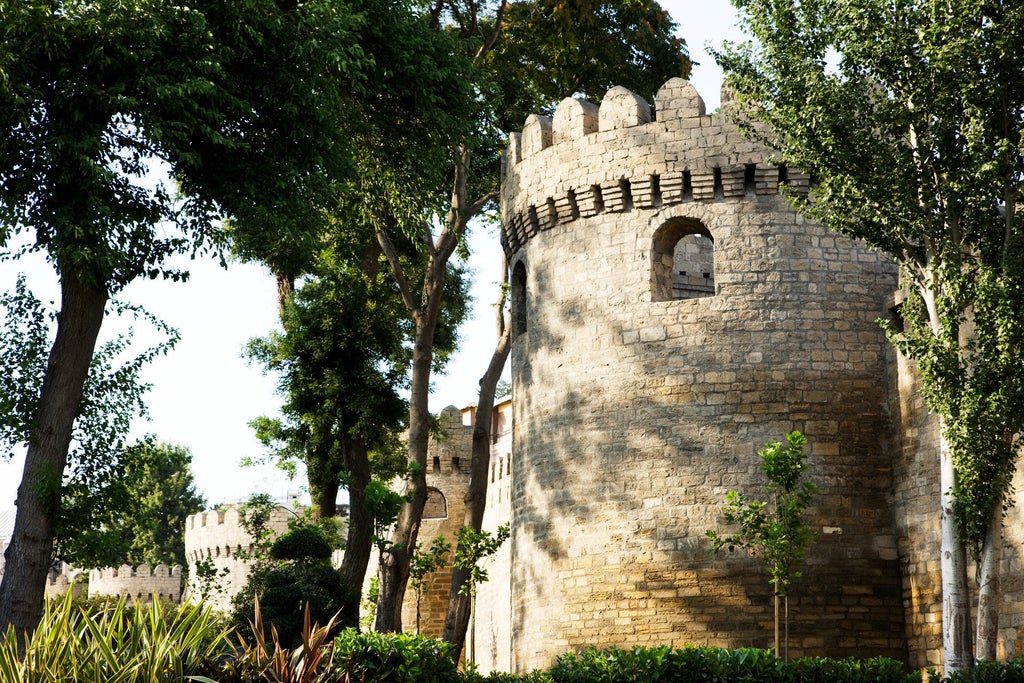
x=671, y=313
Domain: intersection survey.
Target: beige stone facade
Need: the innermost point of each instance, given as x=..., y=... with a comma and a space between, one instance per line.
x=141, y=583
x=218, y=535
x=639, y=404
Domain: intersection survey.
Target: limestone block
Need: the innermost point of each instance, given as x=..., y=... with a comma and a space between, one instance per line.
x=622, y=108
x=677, y=99
x=536, y=135
x=573, y=119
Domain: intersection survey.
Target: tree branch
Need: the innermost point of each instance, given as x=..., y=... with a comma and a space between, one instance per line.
x=396, y=268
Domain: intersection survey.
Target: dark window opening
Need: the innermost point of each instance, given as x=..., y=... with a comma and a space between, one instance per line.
x=519, y=301
x=682, y=261
x=719, y=189
x=436, y=506
x=750, y=179
x=437, y=464
x=687, y=186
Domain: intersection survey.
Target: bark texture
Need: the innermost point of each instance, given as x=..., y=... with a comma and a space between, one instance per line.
x=456, y=621
x=30, y=551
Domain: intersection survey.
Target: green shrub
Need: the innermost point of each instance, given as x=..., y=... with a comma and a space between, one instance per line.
x=373, y=657
x=300, y=573
x=986, y=671
x=302, y=543
x=877, y=670
x=717, y=665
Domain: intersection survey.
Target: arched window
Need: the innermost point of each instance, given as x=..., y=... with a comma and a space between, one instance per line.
x=518, y=299
x=682, y=261
x=436, y=506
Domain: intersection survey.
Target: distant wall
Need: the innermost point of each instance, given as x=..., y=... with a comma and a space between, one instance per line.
x=219, y=535
x=141, y=583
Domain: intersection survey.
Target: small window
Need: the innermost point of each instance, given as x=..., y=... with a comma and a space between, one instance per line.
x=436, y=506
x=519, y=302
x=682, y=261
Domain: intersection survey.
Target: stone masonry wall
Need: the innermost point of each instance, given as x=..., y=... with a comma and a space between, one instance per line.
x=220, y=536
x=140, y=583
x=635, y=415
x=489, y=644
x=448, y=469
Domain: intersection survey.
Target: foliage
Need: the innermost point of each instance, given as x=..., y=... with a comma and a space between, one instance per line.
x=105, y=497
x=303, y=542
x=773, y=530
x=474, y=546
x=161, y=485
x=270, y=660
x=255, y=519
x=297, y=574
x=664, y=664
x=984, y=671
x=208, y=578
x=384, y=505
x=913, y=130
x=242, y=103
x=424, y=562
x=553, y=49
x=373, y=657
x=117, y=643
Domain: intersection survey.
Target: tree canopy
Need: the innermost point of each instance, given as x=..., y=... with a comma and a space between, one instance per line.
x=910, y=115
x=242, y=102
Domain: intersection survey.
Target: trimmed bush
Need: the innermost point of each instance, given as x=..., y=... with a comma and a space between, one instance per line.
x=716, y=665
x=393, y=658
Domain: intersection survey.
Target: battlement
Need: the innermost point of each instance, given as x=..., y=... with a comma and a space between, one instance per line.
x=216, y=532
x=451, y=453
x=141, y=583
x=589, y=159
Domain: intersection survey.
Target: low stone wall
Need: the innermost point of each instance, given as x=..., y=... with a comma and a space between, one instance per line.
x=141, y=583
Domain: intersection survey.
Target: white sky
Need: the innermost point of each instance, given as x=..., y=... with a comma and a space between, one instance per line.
x=204, y=393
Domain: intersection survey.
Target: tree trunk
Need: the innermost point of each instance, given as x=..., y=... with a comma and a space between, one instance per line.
x=30, y=550
x=360, y=527
x=285, y=290
x=456, y=620
x=324, y=497
x=956, y=603
x=394, y=566
x=990, y=587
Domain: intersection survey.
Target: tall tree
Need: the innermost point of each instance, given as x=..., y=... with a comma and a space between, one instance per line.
x=240, y=99
x=98, y=497
x=160, y=482
x=460, y=598
x=910, y=115
x=578, y=36
x=342, y=361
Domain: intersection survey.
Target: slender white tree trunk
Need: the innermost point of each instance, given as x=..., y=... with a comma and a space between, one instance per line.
x=990, y=587
x=956, y=599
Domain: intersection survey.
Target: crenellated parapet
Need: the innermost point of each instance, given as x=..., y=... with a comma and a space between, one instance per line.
x=219, y=537
x=141, y=583
x=589, y=159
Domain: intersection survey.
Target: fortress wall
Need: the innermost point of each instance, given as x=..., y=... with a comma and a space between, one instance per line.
x=635, y=416
x=220, y=536
x=916, y=475
x=448, y=470
x=141, y=583
x=490, y=643
x=57, y=585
